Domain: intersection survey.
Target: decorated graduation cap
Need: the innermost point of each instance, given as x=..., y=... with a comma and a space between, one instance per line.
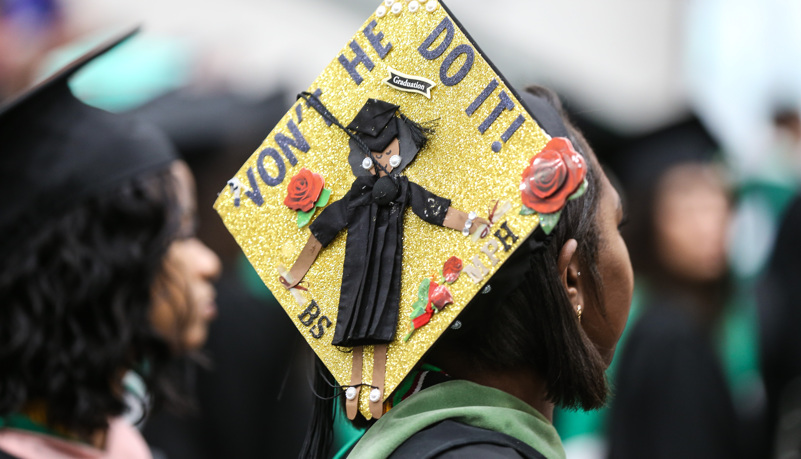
x=55, y=151
x=393, y=192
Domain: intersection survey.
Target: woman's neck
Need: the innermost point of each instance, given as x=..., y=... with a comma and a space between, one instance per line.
x=521, y=383
x=524, y=385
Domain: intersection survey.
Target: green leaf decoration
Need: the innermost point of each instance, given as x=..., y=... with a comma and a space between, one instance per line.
x=409, y=335
x=422, y=290
x=549, y=221
x=305, y=217
x=580, y=192
x=418, y=309
x=526, y=211
x=326, y=194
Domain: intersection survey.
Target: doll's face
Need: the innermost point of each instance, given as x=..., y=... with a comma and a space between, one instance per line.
x=384, y=157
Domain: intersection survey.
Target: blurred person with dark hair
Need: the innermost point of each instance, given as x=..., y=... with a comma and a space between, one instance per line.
x=780, y=308
x=672, y=396
x=780, y=315
x=102, y=275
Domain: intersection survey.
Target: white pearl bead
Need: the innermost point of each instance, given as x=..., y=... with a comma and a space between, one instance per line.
x=381, y=11
x=350, y=393
x=394, y=160
x=388, y=3
x=431, y=5
x=367, y=163
x=397, y=8
x=375, y=395
x=413, y=6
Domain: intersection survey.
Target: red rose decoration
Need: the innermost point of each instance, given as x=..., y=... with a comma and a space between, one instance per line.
x=552, y=176
x=304, y=190
x=439, y=295
x=451, y=269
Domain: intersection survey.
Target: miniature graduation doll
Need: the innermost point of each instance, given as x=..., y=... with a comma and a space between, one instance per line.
x=383, y=142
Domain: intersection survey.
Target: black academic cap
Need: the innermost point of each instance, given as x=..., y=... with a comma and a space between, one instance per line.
x=651, y=155
x=375, y=123
x=55, y=151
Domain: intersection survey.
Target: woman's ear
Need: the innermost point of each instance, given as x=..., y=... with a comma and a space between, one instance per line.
x=568, y=267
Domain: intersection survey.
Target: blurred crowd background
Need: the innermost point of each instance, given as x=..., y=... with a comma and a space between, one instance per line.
x=692, y=105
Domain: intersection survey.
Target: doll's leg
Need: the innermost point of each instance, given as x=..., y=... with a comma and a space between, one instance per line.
x=379, y=372
x=352, y=404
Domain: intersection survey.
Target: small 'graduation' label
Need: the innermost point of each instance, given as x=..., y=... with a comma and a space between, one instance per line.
x=409, y=83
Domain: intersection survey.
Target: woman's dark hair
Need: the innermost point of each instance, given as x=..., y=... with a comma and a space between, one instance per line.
x=536, y=326
x=75, y=311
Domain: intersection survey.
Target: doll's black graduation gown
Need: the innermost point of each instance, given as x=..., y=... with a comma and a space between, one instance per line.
x=371, y=278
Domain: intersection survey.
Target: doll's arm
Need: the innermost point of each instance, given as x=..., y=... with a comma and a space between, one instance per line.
x=456, y=219
x=429, y=207
x=323, y=230
x=303, y=263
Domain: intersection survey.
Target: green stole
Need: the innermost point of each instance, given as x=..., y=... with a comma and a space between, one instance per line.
x=465, y=402
x=20, y=421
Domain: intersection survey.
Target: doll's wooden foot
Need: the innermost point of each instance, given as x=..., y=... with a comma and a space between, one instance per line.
x=352, y=392
x=379, y=372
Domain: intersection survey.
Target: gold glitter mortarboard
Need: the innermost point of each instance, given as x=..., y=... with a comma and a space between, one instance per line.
x=477, y=166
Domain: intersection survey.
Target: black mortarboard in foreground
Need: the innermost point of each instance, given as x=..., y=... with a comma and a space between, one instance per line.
x=394, y=262
x=55, y=151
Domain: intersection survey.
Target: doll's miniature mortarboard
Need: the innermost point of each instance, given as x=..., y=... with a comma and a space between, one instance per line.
x=377, y=276
x=375, y=123
x=56, y=151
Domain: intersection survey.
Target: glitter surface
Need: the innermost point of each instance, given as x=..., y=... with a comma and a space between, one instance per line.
x=458, y=163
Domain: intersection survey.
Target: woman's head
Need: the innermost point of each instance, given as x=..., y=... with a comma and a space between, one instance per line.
x=679, y=226
x=535, y=326
x=690, y=218
x=77, y=303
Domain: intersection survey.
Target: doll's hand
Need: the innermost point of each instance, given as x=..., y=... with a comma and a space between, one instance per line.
x=284, y=282
x=480, y=224
x=285, y=278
